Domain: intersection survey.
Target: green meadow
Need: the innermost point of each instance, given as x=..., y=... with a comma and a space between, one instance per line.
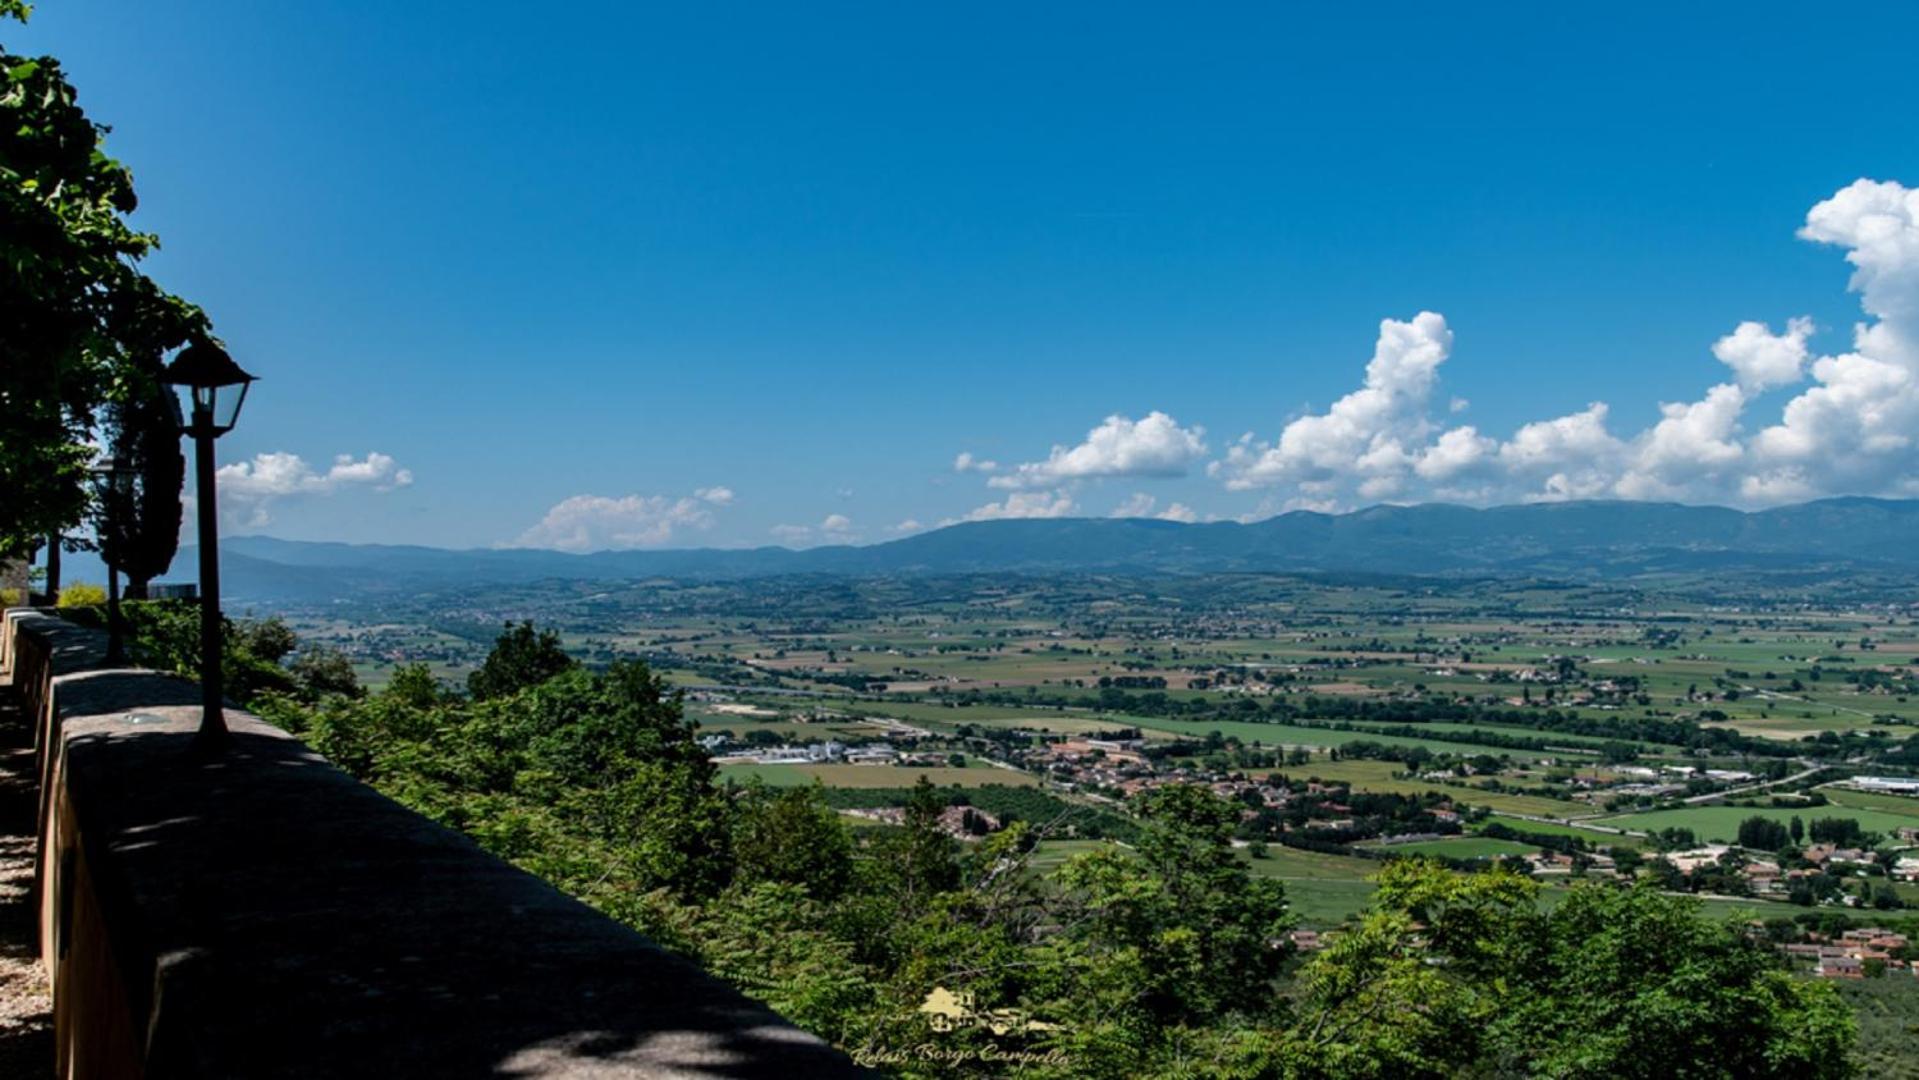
x=1721, y=823
x=875, y=776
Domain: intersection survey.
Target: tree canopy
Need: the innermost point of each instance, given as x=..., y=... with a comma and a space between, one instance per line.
x=80, y=325
x=140, y=521
x=1451, y=975
x=522, y=657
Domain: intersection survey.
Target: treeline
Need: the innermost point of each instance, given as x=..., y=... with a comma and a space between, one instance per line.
x=1612, y=751
x=1335, y=819
x=1762, y=833
x=855, y=681
x=1011, y=805
x=1903, y=755
x=1315, y=710
x=1564, y=844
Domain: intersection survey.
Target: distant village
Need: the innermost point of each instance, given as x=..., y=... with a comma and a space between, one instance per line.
x=1283, y=803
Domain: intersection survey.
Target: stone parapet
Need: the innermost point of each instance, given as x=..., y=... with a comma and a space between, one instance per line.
x=260, y=913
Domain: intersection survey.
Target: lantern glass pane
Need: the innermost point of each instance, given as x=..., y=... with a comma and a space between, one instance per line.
x=226, y=409
x=186, y=396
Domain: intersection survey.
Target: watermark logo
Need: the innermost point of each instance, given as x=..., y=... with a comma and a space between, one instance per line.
x=948, y=1012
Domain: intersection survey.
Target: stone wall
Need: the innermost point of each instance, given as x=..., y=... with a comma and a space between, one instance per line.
x=259, y=913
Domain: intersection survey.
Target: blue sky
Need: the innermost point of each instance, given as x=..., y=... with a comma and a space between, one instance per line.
x=626, y=274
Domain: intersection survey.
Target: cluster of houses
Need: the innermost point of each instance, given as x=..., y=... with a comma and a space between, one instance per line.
x=1847, y=955
x=1842, y=956
x=1685, y=772
x=961, y=822
x=1550, y=863
x=1120, y=766
x=1098, y=764
x=829, y=752
x=1766, y=877
x=1663, y=782
x=1117, y=766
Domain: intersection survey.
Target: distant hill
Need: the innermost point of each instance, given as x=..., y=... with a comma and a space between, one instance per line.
x=1576, y=541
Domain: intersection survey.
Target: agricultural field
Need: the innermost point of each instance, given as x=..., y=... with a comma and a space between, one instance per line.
x=1756, y=663
x=1322, y=890
x=1560, y=694
x=1321, y=903
x=1050, y=854
x=1460, y=847
x=1582, y=744
x=1326, y=890
x=1547, y=828
x=1059, y=721
x=1721, y=823
x=875, y=776
x=1901, y=805
x=1379, y=776
x=1318, y=738
x=785, y=730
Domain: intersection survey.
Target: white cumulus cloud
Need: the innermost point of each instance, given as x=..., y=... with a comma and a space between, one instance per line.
x=832, y=529
x=1024, y=504
x=1763, y=359
x=1142, y=505
x=1851, y=431
x=1459, y=452
x=1372, y=434
x=601, y=523
x=1153, y=446
x=248, y=489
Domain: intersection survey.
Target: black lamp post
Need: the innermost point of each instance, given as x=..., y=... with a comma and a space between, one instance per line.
x=116, y=491
x=212, y=388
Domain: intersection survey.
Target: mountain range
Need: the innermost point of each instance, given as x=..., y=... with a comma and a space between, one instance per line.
x=1567, y=540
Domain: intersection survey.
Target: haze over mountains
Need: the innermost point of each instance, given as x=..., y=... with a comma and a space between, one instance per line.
x=1575, y=540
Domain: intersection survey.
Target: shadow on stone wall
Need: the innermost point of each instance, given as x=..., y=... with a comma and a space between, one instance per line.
x=269, y=915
